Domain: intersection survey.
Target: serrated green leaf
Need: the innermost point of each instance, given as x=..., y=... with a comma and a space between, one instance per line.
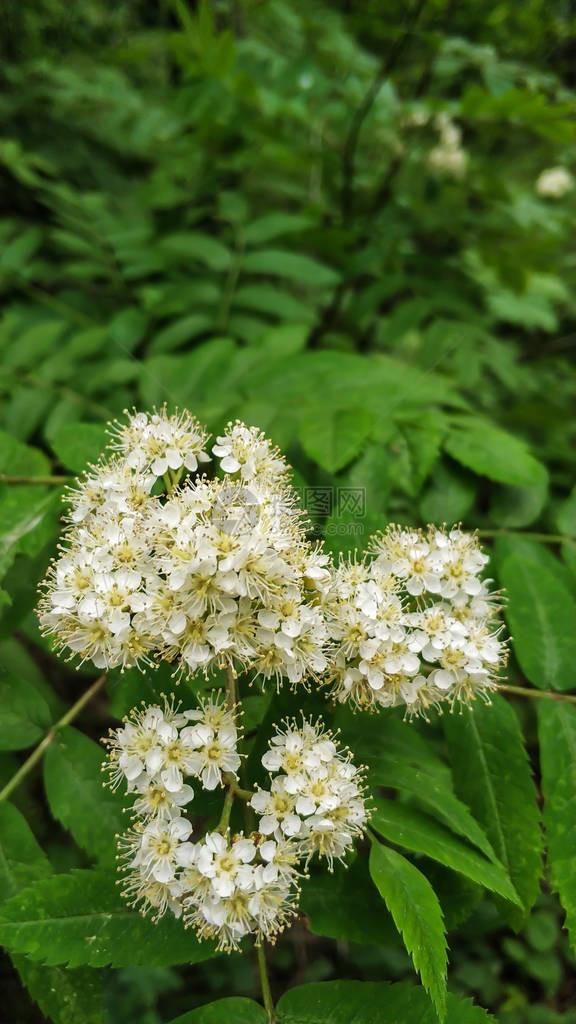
x=413, y=830
x=436, y=797
x=76, y=794
x=557, y=735
x=488, y=451
x=397, y=757
x=24, y=714
x=333, y=440
x=77, y=444
x=340, y=905
x=65, y=996
x=22, y=860
x=81, y=919
x=235, y=1010
x=371, y=1002
x=492, y=774
x=417, y=915
x=541, y=614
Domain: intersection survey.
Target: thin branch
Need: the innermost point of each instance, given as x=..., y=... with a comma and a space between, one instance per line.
x=231, y=690
x=42, y=747
x=265, y=984
x=545, y=538
x=352, y=139
x=525, y=691
x=43, y=480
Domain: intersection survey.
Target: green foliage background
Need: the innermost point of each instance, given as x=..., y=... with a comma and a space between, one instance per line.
x=231, y=208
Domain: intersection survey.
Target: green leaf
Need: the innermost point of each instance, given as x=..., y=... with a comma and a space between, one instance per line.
x=28, y=517
x=77, y=444
x=557, y=735
x=398, y=757
x=81, y=918
x=65, y=996
x=541, y=614
x=274, y=225
x=436, y=796
x=518, y=506
x=18, y=459
x=371, y=1002
x=194, y=245
x=417, y=915
x=226, y=1011
x=24, y=714
x=77, y=796
x=282, y=305
x=291, y=265
x=190, y=379
x=533, y=551
x=565, y=517
x=22, y=860
x=492, y=774
x=488, y=451
x=333, y=440
x=413, y=830
x=422, y=439
x=449, y=495
x=340, y=905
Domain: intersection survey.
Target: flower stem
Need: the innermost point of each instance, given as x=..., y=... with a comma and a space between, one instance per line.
x=42, y=747
x=231, y=689
x=525, y=691
x=226, y=810
x=545, y=538
x=57, y=480
x=265, y=984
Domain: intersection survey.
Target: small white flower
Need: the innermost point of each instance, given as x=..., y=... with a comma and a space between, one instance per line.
x=554, y=182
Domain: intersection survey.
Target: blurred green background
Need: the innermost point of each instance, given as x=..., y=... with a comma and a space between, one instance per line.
x=351, y=224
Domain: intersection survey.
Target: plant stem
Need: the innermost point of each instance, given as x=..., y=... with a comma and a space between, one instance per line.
x=243, y=794
x=226, y=810
x=545, y=538
x=265, y=984
x=231, y=690
x=42, y=747
x=525, y=691
x=34, y=479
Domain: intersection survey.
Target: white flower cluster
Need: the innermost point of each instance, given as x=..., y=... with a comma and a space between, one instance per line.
x=157, y=748
x=316, y=793
x=415, y=625
x=226, y=886
x=448, y=156
x=212, y=573
x=554, y=182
